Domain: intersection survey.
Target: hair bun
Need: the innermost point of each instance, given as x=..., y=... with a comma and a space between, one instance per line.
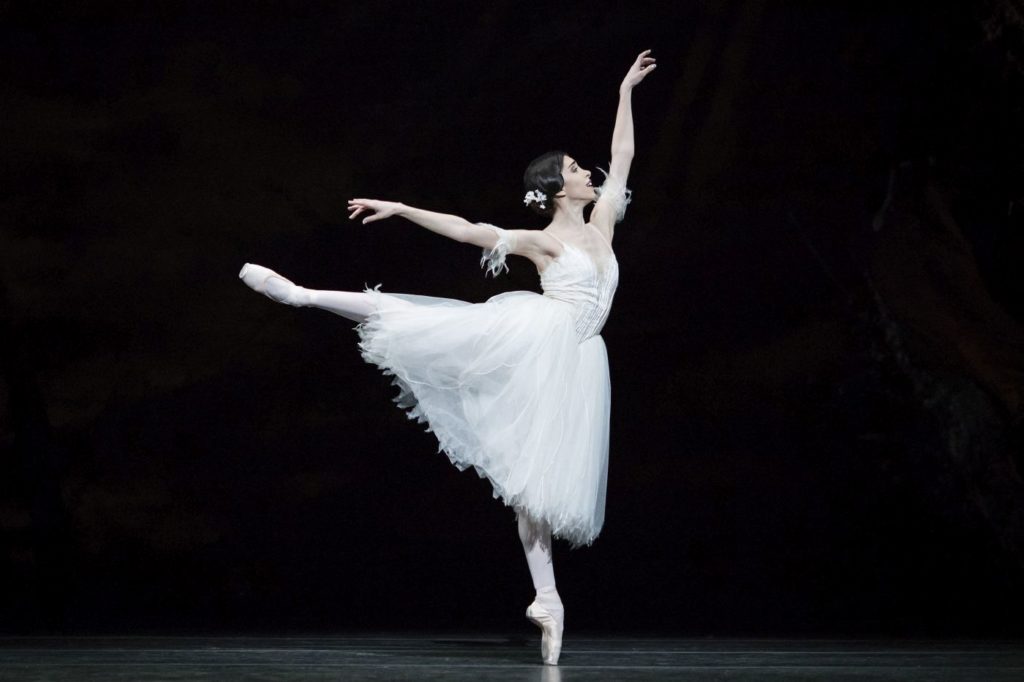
x=543, y=178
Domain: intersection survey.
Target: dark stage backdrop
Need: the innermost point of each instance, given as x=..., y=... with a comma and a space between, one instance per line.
x=816, y=346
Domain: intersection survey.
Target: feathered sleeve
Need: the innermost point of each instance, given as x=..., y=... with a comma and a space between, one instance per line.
x=616, y=192
x=493, y=260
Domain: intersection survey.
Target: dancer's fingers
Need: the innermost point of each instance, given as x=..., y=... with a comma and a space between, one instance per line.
x=365, y=204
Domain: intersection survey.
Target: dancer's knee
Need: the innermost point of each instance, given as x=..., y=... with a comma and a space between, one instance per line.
x=532, y=531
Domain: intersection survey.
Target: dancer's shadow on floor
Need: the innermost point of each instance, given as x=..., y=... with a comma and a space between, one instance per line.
x=516, y=650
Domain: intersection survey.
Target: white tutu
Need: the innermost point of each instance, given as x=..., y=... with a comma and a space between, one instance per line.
x=508, y=390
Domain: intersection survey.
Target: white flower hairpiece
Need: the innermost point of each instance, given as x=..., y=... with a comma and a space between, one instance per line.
x=535, y=195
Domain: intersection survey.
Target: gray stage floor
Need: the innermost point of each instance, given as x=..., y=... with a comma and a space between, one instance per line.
x=476, y=657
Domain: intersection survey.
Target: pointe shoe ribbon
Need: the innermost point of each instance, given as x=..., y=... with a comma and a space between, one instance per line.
x=257, y=278
x=551, y=632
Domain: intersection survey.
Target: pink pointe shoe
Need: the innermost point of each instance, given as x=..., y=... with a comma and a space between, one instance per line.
x=551, y=631
x=270, y=284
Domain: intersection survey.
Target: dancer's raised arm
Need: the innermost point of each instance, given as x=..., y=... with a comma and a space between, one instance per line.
x=604, y=214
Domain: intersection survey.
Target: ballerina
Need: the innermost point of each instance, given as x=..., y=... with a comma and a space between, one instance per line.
x=516, y=387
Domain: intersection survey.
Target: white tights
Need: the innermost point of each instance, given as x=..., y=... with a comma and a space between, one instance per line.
x=536, y=539
x=352, y=305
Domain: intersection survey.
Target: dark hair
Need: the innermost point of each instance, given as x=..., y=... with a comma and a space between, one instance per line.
x=545, y=173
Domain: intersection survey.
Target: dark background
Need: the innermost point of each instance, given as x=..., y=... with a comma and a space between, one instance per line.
x=816, y=347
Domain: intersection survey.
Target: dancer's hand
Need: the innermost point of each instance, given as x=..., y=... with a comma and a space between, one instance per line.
x=640, y=68
x=381, y=209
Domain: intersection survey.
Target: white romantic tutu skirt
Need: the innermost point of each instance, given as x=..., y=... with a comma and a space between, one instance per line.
x=507, y=390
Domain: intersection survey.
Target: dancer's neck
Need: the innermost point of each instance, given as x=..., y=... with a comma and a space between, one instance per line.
x=569, y=220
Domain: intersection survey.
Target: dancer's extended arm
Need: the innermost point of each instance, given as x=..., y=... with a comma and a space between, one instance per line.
x=604, y=213
x=446, y=225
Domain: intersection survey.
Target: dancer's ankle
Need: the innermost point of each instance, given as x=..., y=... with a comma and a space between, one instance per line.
x=548, y=598
x=284, y=291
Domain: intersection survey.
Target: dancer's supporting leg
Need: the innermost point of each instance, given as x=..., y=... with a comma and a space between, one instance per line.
x=546, y=610
x=353, y=305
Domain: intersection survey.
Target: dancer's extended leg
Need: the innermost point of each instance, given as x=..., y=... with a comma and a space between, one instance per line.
x=353, y=305
x=546, y=611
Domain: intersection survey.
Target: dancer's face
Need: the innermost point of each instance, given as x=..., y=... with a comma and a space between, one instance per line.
x=577, y=181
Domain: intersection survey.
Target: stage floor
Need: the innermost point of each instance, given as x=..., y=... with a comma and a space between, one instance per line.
x=496, y=657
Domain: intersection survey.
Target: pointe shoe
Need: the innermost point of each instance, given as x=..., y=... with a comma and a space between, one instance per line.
x=257, y=278
x=551, y=631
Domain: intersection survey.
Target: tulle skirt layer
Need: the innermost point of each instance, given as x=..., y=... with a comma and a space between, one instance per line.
x=507, y=390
